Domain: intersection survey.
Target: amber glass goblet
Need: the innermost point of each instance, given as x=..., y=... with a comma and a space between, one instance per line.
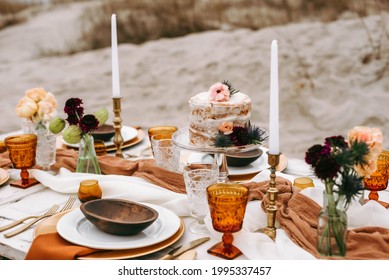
x=227, y=205
x=22, y=151
x=378, y=181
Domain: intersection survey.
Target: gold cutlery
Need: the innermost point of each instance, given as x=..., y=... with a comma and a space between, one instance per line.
x=183, y=248
x=13, y=224
x=188, y=255
x=68, y=205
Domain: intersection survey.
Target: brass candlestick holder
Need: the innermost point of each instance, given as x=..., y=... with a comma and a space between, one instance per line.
x=118, y=138
x=272, y=193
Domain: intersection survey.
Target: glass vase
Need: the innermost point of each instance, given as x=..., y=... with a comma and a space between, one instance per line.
x=47, y=142
x=332, y=227
x=87, y=159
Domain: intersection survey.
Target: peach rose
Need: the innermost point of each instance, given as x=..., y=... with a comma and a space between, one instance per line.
x=36, y=94
x=219, y=92
x=46, y=111
x=26, y=107
x=373, y=138
x=226, y=128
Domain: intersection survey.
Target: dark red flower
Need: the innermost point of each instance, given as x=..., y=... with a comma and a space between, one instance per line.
x=73, y=107
x=313, y=154
x=88, y=123
x=327, y=168
x=240, y=136
x=336, y=141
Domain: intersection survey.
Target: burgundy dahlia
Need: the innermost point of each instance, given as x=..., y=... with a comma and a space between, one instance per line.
x=89, y=123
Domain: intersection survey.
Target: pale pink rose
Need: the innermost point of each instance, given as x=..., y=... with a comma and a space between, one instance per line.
x=373, y=138
x=26, y=107
x=46, y=111
x=50, y=98
x=219, y=92
x=226, y=128
x=366, y=170
x=36, y=94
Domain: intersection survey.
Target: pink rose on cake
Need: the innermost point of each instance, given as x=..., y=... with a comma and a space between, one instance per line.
x=220, y=92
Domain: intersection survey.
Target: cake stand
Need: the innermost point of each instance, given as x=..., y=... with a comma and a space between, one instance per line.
x=181, y=139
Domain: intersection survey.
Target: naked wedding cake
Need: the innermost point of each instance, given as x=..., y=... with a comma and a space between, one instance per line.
x=219, y=111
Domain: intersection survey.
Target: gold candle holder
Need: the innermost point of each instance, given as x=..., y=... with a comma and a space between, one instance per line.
x=117, y=121
x=272, y=193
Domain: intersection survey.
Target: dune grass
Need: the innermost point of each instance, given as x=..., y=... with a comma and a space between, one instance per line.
x=143, y=20
x=139, y=21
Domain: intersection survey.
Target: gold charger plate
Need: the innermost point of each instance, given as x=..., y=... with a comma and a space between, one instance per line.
x=50, y=226
x=4, y=176
x=127, y=144
x=130, y=143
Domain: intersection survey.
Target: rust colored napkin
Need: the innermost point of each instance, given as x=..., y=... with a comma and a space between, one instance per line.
x=144, y=168
x=298, y=214
x=51, y=246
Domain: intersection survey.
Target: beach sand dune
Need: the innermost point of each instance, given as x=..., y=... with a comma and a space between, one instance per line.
x=330, y=76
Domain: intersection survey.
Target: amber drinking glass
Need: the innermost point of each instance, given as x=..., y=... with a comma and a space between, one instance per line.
x=89, y=190
x=378, y=181
x=22, y=151
x=227, y=204
x=166, y=131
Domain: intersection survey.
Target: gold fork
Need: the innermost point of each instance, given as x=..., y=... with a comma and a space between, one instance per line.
x=11, y=225
x=68, y=205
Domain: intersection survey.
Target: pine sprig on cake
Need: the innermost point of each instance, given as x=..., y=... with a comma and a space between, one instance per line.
x=230, y=88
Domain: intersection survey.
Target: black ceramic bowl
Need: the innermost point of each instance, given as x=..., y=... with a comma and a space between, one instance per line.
x=119, y=216
x=104, y=132
x=243, y=159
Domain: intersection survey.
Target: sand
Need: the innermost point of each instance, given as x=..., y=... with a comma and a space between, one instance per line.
x=328, y=84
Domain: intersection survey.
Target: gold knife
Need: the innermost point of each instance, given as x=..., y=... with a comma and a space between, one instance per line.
x=183, y=248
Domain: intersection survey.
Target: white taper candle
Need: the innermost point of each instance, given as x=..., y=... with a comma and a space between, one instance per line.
x=274, y=148
x=115, y=63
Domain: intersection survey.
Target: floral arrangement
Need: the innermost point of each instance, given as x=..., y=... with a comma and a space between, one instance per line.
x=37, y=105
x=80, y=124
x=220, y=92
x=342, y=165
x=230, y=135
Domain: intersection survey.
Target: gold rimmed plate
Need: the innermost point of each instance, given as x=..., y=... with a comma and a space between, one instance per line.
x=111, y=147
x=4, y=176
x=50, y=226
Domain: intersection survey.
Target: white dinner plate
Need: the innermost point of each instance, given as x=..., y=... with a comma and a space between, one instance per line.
x=128, y=134
x=254, y=167
x=75, y=228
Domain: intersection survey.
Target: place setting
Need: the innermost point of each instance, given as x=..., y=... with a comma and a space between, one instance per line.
x=108, y=228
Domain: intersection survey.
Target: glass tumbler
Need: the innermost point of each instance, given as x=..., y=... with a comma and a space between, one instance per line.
x=89, y=190
x=166, y=153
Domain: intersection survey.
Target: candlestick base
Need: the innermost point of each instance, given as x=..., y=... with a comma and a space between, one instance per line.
x=272, y=192
x=118, y=138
